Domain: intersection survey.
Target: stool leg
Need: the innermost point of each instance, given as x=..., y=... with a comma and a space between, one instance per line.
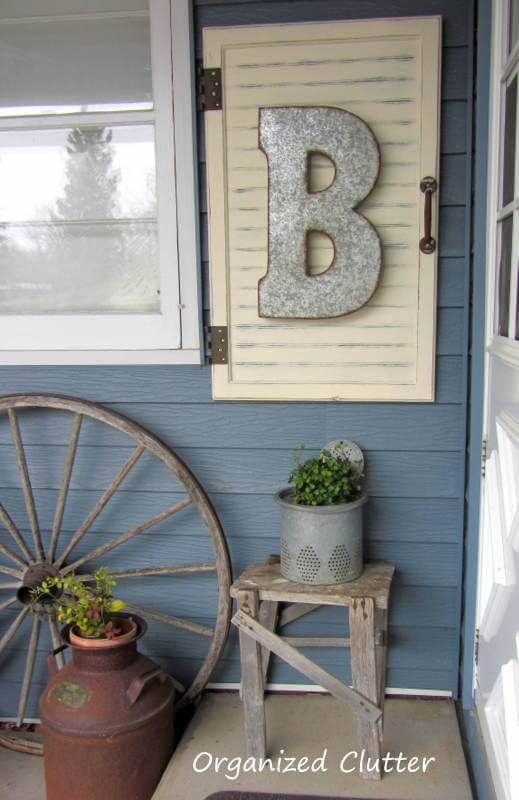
x=268, y=616
x=252, y=680
x=364, y=678
x=381, y=626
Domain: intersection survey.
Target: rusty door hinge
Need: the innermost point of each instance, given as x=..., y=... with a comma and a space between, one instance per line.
x=484, y=457
x=476, y=647
x=216, y=344
x=210, y=89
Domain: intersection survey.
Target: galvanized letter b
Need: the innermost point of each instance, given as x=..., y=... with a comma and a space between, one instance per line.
x=288, y=136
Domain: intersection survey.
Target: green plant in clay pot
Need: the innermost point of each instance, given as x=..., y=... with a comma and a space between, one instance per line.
x=86, y=607
x=321, y=516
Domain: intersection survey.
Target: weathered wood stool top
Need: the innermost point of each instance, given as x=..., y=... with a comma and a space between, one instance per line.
x=260, y=590
x=374, y=582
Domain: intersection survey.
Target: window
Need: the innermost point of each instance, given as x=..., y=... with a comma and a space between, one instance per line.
x=98, y=262
x=504, y=185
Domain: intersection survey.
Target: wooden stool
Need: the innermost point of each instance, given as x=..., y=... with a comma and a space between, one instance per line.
x=260, y=590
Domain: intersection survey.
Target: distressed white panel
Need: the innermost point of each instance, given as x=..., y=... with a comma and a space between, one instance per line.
x=497, y=580
x=495, y=719
x=507, y=426
x=386, y=72
x=510, y=673
x=501, y=727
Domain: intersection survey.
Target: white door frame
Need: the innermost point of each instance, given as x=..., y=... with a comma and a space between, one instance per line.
x=496, y=709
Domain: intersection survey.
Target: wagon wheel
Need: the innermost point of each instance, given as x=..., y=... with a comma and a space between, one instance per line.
x=31, y=562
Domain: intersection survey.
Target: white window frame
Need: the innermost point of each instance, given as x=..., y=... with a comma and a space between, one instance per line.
x=503, y=66
x=174, y=335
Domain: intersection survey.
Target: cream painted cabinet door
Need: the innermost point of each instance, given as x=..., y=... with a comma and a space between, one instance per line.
x=387, y=73
x=497, y=669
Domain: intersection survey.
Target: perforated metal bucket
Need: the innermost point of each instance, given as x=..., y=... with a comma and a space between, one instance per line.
x=320, y=544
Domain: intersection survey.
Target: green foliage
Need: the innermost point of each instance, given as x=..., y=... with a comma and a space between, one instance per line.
x=325, y=480
x=80, y=604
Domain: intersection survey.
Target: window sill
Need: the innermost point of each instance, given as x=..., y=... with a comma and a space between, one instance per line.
x=98, y=357
x=505, y=349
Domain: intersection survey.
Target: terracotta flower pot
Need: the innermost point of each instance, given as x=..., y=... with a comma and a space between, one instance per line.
x=127, y=624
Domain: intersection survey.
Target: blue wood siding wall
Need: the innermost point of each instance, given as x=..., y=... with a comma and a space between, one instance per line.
x=242, y=452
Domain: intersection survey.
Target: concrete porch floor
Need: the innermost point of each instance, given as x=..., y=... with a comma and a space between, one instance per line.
x=304, y=725
x=301, y=725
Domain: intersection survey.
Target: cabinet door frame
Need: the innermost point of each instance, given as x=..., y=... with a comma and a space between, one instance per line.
x=419, y=388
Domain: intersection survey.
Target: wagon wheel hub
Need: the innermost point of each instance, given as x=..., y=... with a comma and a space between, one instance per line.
x=33, y=576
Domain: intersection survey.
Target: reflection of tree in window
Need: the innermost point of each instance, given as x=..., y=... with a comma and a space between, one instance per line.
x=91, y=182
x=108, y=248
x=139, y=237
x=88, y=246
x=85, y=240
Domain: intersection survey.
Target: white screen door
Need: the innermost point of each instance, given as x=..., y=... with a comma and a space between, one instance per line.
x=497, y=670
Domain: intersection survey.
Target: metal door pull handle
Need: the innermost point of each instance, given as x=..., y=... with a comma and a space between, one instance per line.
x=428, y=186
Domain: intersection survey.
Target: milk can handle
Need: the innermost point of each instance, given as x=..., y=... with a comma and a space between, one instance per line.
x=52, y=662
x=134, y=690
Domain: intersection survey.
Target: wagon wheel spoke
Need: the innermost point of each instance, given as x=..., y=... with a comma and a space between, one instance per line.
x=125, y=537
x=13, y=627
x=8, y=602
x=56, y=641
x=13, y=585
x=10, y=571
x=29, y=668
x=62, y=497
x=12, y=555
x=26, y=746
x=26, y=483
x=174, y=569
x=169, y=619
x=101, y=503
x=15, y=533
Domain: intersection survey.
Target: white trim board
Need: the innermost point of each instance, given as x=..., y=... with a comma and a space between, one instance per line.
x=310, y=688
x=79, y=358
x=314, y=688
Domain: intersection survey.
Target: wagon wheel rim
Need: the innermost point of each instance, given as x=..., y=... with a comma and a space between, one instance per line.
x=26, y=558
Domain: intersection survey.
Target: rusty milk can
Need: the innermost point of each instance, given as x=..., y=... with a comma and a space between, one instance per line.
x=107, y=722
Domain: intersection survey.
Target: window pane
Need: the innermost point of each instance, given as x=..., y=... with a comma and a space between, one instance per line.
x=503, y=286
x=509, y=142
x=66, y=66
x=78, y=221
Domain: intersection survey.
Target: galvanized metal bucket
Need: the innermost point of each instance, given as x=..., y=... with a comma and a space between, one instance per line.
x=320, y=544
